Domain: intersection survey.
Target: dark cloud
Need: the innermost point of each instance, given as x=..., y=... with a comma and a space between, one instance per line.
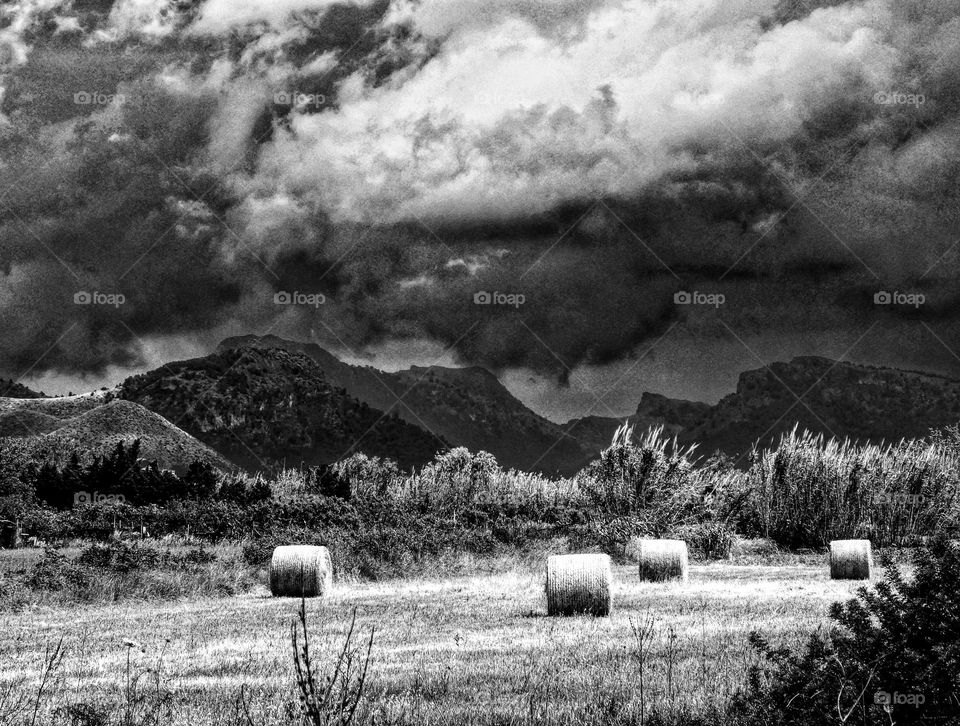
x=399, y=158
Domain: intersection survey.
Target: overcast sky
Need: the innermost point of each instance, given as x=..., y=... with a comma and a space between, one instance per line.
x=662, y=193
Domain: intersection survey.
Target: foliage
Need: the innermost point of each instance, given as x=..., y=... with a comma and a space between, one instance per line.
x=122, y=570
x=811, y=490
x=893, y=656
x=707, y=540
x=367, y=476
x=120, y=475
x=630, y=477
x=381, y=521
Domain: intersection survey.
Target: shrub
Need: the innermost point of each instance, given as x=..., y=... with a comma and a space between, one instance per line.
x=327, y=480
x=457, y=479
x=707, y=540
x=630, y=477
x=892, y=657
x=123, y=557
x=245, y=490
x=54, y=571
x=367, y=476
x=121, y=571
x=201, y=480
x=257, y=552
x=13, y=595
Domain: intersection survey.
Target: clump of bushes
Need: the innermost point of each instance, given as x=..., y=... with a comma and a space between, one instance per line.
x=14, y=595
x=707, y=540
x=124, y=571
x=803, y=493
x=892, y=657
x=635, y=476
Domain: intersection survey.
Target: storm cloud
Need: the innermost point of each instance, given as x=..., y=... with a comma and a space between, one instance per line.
x=579, y=161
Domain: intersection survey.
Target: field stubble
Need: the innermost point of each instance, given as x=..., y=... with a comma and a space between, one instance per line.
x=446, y=651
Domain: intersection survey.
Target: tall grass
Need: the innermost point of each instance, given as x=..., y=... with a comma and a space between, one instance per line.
x=803, y=492
x=631, y=476
x=810, y=490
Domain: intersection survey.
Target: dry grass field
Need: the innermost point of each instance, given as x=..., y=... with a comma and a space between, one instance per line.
x=446, y=651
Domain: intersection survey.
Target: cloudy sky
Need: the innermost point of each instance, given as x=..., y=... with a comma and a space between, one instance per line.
x=661, y=193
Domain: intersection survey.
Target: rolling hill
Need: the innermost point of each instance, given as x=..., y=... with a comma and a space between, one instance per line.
x=11, y=389
x=53, y=428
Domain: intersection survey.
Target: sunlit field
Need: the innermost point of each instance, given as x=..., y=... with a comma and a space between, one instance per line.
x=446, y=651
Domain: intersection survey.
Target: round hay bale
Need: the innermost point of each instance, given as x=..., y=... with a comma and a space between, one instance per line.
x=663, y=559
x=301, y=571
x=579, y=584
x=850, y=559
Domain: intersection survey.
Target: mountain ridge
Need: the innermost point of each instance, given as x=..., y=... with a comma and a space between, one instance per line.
x=836, y=398
x=465, y=406
x=270, y=408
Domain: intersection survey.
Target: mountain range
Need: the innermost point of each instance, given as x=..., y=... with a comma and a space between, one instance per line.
x=268, y=408
x=265, y=402
x=833, y=398
x=465, y=406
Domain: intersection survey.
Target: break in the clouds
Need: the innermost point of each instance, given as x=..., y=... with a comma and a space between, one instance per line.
x=196, y=160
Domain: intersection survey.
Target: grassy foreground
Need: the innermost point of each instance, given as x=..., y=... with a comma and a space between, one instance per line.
x=447, y=651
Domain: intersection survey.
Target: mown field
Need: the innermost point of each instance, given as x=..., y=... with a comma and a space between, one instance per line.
x=446, y=650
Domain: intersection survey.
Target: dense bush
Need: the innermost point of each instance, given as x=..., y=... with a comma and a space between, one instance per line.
x=630, y=477
x=893, y=657
x=801, y=494
x=123, y=473
x=707, y=540
x=124, y=571
x=56, y=572
x=122, y=557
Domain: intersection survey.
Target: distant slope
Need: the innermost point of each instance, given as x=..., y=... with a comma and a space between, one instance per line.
x=58, y=407
x=593, y=432
x=263, y=408
x=845, y=400
x=12, y=389
x=466, y=406
x=675, y=416
x=55, y=427
x=27, y=422
x=842, y=399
